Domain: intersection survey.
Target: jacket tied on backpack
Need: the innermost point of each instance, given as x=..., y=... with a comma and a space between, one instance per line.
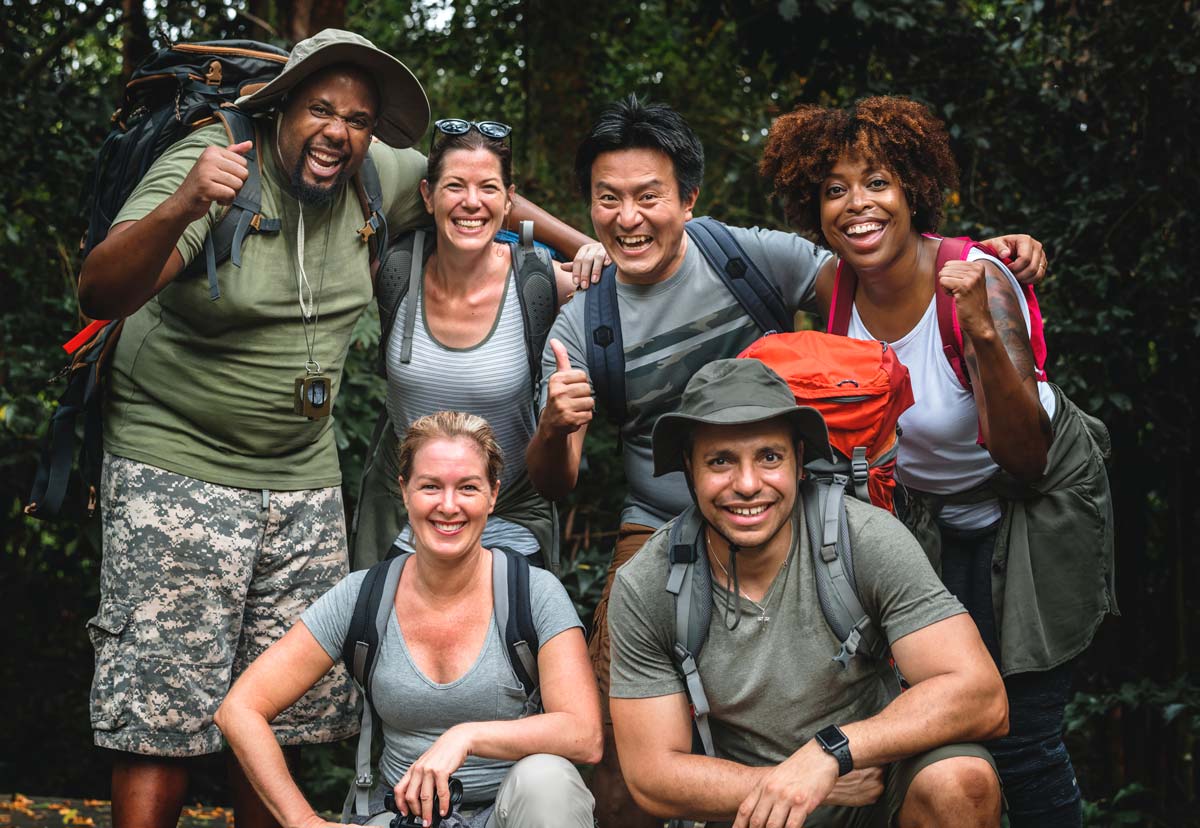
x=1053, y=563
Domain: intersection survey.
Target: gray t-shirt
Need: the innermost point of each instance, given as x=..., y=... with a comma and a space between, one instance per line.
x=414, y=710
x=671, y=329
x=772, y=687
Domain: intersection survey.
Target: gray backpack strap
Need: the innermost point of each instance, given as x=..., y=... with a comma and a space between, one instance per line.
x=361, y=656
x=410, y=310
x=513, y=610
x=690, y=581
x=244, y=215
x=833, y=564
x=537, y=291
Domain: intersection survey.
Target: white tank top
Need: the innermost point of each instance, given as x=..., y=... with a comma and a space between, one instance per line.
x=490, y=379
x=939, y=449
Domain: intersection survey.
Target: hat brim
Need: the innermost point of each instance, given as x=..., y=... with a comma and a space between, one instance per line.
x=672, y=431
x=403, y=106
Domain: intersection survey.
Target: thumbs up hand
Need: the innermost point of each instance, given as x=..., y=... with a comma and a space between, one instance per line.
x=569, y=401
x=217, y=175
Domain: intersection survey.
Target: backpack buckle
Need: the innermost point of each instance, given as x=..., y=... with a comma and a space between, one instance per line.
x=365, y=780
x=849, y=648
x=367, y=230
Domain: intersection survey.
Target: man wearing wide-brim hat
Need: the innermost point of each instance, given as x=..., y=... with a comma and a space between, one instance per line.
x=792, y=734
x=221, y=499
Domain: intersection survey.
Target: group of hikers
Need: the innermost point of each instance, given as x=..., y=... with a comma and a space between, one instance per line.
x=228, y=612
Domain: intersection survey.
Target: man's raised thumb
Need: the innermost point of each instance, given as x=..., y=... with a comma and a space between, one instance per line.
x=562, y=361
x=241, y=148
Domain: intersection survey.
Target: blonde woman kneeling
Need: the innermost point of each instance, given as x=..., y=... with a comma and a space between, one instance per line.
x=443, y=689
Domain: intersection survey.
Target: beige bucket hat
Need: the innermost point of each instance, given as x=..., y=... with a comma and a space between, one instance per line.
x=403, y=107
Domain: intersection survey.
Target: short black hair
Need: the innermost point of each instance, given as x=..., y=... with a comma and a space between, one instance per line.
x=631, y=124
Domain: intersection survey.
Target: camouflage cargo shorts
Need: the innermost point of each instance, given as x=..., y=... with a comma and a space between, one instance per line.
x=198, y=579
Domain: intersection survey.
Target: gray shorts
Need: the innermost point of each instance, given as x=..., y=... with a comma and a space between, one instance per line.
x=196, y=580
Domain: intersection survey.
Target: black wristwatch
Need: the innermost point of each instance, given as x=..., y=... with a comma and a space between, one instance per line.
x=834, y=742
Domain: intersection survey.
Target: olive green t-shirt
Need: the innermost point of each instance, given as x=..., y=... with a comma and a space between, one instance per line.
x=205, y=388
x=772, y=686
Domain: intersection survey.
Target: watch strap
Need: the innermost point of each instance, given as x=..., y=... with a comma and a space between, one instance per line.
x=840, y=750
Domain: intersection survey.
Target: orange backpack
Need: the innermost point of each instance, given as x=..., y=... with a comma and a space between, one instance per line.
x=861, y=388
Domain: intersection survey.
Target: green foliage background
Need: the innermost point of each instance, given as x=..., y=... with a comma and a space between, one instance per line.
x=1074, y=121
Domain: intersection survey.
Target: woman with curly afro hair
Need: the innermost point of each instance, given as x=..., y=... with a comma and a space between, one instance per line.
x=869, y=181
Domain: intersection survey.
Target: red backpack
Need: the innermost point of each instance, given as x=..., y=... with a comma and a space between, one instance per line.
x=860, y=388
x=950, y=249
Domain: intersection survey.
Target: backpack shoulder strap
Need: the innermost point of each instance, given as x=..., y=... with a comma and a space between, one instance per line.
x=690, y=582
x=740, y=274
x=833, y=565
x=244, y=215
x=537, y=291
x=401, y=266
x=513, y=609
x=605, y=347
x=372, y=609
x=947, y=318
x=845, y=283
x=370, y=194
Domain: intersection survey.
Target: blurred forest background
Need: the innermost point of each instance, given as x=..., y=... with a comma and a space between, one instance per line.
x=1073, y=120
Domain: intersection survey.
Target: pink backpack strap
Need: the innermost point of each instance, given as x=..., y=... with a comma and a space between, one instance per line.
x=1037, y=333
x=845, y=282
x=947, y=317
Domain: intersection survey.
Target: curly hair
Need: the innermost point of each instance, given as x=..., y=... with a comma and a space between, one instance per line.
x=451, y=425
x=895, y=133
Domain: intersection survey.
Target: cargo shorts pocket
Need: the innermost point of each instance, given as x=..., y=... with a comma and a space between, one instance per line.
x=112, y=683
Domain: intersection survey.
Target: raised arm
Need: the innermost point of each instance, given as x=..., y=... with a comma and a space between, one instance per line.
x=569, y=727
x=138, y=258
x=1023, y=254
x=1016, y=429
x=555, y=450
x=275, y=680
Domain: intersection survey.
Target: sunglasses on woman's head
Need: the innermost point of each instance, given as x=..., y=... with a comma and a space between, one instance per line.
x=459, y=126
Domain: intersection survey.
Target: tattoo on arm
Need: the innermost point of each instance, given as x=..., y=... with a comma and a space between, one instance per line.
x=1010, y=324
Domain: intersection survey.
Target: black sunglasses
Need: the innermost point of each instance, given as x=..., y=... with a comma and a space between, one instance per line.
x=459, y=126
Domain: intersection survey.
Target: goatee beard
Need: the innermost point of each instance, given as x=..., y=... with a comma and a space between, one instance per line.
x=313, y=195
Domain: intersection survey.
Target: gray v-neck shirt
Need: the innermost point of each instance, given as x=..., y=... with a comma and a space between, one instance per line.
x=415, y=710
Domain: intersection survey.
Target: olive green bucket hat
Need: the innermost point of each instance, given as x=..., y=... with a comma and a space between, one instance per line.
x=403, y=107
x=734, y=392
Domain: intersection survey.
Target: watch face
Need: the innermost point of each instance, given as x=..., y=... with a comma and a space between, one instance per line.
x=832, y=738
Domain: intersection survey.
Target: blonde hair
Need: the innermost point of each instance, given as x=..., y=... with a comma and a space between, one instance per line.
x=451, y=425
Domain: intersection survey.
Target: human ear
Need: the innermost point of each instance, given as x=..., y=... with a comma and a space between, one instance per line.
x=425, y=196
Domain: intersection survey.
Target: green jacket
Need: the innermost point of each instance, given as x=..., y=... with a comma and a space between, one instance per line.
x=1052, y=568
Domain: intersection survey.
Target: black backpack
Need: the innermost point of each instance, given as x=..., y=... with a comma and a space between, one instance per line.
x=177, y=90
x=602, y=320
x=513, y=612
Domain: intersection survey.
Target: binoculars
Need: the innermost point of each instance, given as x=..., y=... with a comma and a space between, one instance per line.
x=414, y=820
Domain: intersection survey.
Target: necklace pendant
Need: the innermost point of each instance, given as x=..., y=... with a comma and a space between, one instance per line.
x=763, y=619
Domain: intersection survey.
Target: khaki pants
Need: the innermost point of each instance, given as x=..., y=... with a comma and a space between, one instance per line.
x=630, y=537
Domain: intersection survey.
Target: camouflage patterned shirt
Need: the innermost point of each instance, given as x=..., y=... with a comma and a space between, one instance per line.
x=672, y=328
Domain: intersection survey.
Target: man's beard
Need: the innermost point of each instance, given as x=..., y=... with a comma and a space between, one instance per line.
x=313, y=195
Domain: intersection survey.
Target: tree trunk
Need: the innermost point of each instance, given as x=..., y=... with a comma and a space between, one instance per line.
x=304, y=18
x=135, y=37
